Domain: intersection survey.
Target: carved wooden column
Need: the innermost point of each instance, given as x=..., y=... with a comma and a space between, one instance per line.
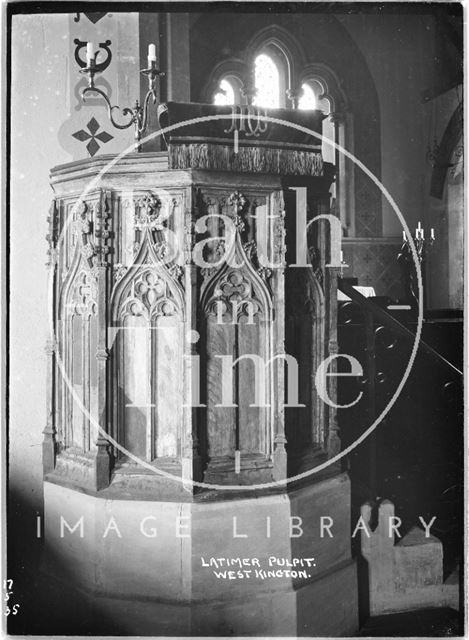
x=277, y=231
x=49, y=443
x=331, y=441
x=191, y=456
x=102, y=233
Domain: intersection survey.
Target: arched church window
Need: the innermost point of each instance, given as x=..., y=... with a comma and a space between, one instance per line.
x=267, y=82
x=225, y=94
x=313, y=97
x=313, y=91
x=308, y=98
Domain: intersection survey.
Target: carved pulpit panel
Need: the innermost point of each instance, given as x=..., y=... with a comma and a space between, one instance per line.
x=237, y=313
x=148, y=316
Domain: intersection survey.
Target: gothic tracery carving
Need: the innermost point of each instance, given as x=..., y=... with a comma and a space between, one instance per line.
x=150, y=295
x=233, y=295
x=251, y=251
x=83, y=299
x=151, y=216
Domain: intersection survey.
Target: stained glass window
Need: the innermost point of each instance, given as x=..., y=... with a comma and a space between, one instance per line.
x=267, y=82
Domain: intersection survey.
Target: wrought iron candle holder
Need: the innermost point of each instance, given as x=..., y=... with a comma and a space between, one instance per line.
x=138, y=115
x=406, y=260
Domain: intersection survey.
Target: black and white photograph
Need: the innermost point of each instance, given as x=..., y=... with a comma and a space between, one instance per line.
x=233, y=362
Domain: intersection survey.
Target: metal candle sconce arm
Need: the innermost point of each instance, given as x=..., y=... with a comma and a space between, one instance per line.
x=139, y=113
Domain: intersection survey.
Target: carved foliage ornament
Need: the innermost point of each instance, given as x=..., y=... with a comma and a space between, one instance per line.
x=150, y=215
x=51, y=236
x=280, y=246
x=102, y=232
x=147, y=212
x=119, y=271
x=240, y=203
x=219, y=248
x=92, y=225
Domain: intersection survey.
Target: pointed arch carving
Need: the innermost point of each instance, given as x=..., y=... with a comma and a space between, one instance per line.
x=237, y=311
x=147, y=311
x=149, y=284
x=77, y=347
x=87, y=239
x=305, y=339
x=234, y=289
x=315, y=310
x=67, y=285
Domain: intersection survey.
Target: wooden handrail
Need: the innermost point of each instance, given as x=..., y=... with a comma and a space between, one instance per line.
x=389, y=321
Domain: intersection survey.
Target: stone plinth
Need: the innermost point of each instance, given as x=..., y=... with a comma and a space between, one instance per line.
x=150, y=568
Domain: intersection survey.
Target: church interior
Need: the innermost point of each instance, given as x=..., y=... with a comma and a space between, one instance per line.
x=236, y=319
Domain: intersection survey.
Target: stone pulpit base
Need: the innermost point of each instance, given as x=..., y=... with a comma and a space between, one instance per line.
x=139, y=568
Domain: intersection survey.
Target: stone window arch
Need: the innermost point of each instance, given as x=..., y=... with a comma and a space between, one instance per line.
x=228, y=91
x=227, y=76
x=300, y=85
x=313, y=95
x=319, y=80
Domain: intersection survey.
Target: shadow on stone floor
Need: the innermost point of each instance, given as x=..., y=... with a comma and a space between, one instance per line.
x=428, y=623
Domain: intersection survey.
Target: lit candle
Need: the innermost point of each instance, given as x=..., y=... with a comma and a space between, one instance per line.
x=341, y=256
x=151, y=54
x=403, y=236
x=432, y=233
x=89, y=52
